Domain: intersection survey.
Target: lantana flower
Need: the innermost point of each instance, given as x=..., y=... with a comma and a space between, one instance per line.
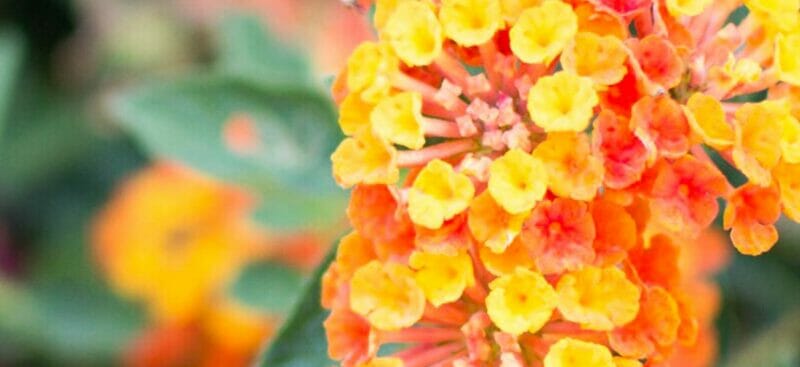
x=557, y=173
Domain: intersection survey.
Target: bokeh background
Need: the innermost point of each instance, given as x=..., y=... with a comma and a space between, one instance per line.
x=165, y=188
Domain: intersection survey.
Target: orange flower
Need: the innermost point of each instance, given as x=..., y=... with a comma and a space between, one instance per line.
x=751, y=215
x=624, y=156
x=655, y=327
x=615, y=229
x=559, y=235
x=662, y=126
x=685, y=195
x=659, y=60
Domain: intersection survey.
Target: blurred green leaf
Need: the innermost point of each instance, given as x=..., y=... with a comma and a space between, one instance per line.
x=249, y=53
x=301, y=342
x=11, y=54
x=290, y=170
x=41, y=142
x=47, y=134
x=779, y=346
x=64, y=310
x=268, y=286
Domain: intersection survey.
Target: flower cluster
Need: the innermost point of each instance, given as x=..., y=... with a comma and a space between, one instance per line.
x=528, y=175
x=175, y=241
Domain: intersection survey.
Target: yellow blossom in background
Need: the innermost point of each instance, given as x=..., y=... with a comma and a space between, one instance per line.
x=598, y=298
x=236, y=328
x=517, y=181
x=387, y=295
x=438, y=194
x=707, y=119
x=398, y=119
x=601, y=58
x=541, y=32
x=520, y=302
x=470, y=22
x=572, y=170
x=171, y=238
x=562, y=102
x=364, y=158
x=414, y=33
x=570, y=352
x=442, y=277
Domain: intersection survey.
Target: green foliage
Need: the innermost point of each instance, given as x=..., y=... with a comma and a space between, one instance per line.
x=247, y=52
x=11, y=53
x=301, y=341
x=268, y=286
x=184, y=120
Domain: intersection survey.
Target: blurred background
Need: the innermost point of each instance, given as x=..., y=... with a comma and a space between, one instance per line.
x=165, y=186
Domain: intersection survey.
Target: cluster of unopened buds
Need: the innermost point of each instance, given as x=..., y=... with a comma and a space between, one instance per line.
x=528, y=175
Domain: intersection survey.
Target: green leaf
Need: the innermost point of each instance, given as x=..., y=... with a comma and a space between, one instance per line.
x=268, y=286
x=301, y=342
x=47, y=135
x=248, y=52
x=778, y=346
x=11, y=54
x=184, y=121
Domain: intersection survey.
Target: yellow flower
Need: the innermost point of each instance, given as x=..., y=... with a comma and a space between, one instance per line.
x=786, y=60
x=707, y=120
x=601, y=58
x=775, y=13
x=788, y=177
x=572, y=170
x=471, y=22
x=442, y=277
x=365, y=158
x=562, y=102
x=515, y=256
x=542, y=32
x=398, y=119
x=517, y=181
x=687, y=7
x=598, y=298
x=414, y=33
x=570, y=352
x=757, y=147
x=234, y=327
x=626, y=362
x=491, y=225
x=370, y=69
x=520, y=302
x=382, y=362
x=513, y=8
x=438, y=194
x=790, y=138
x=383, y=10
x=386, y=295
x=173, y=239
x=354, y=114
